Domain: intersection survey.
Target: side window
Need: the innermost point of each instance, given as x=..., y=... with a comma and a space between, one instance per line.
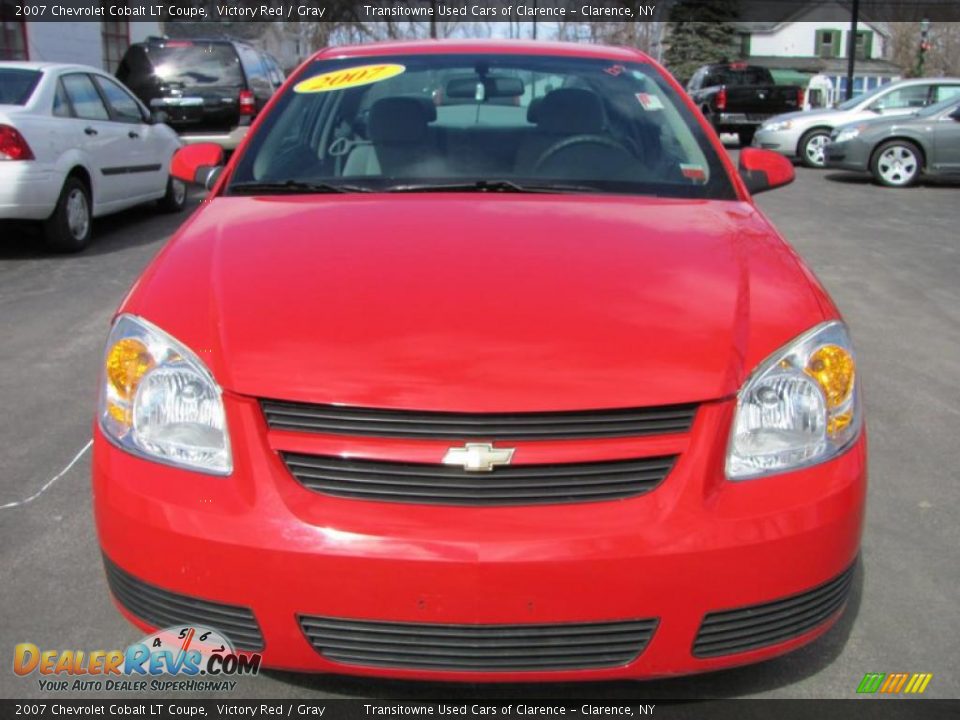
x=84, y=97
x=945, y=92
x=125, y=108
x=61, y=106
x=914, y=96
x=256, y=73
x=276, y=74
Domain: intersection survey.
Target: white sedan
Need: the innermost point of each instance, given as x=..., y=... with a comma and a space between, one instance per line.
x=75, y=144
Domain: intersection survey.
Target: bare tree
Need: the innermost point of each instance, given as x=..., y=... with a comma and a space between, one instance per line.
x=943, y=58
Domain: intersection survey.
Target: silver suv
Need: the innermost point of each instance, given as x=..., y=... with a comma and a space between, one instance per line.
x=803, y=135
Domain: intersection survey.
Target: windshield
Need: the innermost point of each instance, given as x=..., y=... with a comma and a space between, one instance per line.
x=939, y=107
x=487, y=122
x=734, y=78
x=193, y=64
x=16, y=85
x=857, y=99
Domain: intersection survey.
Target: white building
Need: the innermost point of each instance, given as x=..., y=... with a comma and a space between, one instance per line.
x=814, y=39
x=100, y=44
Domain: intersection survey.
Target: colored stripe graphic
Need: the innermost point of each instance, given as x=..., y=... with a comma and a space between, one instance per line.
x=893, y=683
x=870, y=683
x=918, y=683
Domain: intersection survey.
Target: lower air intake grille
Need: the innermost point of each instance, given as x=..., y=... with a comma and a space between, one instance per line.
x=444, y=485
x=749, y=628
x=338, y=420
x=162, y=609
x=480, y=648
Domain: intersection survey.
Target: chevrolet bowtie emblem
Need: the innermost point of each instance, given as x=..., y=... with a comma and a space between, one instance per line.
x=478, y=457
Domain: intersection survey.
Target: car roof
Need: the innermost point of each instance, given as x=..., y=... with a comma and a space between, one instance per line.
x=924, y=81
x=48, y=66
x=184, y=42
x=492, y=47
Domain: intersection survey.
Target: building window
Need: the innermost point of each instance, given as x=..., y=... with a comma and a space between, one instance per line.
x=116, y=40
x=864, y=44
x=13, y=33
x=828, y=43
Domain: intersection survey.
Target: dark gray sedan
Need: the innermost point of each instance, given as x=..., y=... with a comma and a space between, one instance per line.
x=898, y=150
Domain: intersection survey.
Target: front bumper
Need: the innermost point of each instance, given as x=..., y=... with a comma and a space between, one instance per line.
x=695, y=545
x=851, y=155
x=782, y=141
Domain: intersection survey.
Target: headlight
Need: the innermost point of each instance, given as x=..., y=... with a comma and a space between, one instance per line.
x=801, y=406
x=846, y=134
x=159, y=401
x=778, y=125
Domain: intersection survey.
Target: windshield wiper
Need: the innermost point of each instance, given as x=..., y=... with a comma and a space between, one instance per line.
x=505, y=186
x=294, y=187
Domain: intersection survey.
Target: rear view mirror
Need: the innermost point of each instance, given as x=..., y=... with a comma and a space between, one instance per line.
x=764, y=170
x=198, y=164
x=492, y=87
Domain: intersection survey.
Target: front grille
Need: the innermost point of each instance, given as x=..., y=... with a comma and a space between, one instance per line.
x=749, y=628
x=162, y=609
x=304, y=417
x=512, y=485
x=490, y=648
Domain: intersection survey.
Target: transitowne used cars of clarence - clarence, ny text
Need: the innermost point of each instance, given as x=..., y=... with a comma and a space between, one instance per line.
x=479, y=363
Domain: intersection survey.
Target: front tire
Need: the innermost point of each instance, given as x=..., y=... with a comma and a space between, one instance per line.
x=69, y=228
x=897, y=163
x=812, y=149
x=176, y=196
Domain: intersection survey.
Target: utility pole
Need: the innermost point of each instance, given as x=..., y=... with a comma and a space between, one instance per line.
x=534, y=19
x=924, y=45
x=852, y=47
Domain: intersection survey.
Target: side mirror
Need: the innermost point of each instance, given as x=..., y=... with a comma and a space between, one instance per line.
x=198, y=164
x=158, y=117
x=956, y=113
x=764, y=170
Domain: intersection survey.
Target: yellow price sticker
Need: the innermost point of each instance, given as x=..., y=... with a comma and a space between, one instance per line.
x=348, y=78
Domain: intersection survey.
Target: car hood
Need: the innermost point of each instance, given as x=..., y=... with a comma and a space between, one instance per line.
x=479, y=302
x=873, y=124
x=812, y=115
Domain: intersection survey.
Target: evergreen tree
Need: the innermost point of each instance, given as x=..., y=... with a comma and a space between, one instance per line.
x=699, y=32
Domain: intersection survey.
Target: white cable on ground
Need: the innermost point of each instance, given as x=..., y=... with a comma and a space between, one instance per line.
x=51, y=481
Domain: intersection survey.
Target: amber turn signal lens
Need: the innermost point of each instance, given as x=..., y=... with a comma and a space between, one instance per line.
x=833, y=368
x=127, y=362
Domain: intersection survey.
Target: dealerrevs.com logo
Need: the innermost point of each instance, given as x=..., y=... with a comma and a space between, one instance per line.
x=185, y=658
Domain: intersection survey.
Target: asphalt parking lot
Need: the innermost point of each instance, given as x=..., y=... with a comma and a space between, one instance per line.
x=891, y=260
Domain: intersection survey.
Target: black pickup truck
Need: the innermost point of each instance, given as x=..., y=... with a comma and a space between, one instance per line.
x=737, y=98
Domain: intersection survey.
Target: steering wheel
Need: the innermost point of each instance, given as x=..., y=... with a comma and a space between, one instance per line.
x=567, y=143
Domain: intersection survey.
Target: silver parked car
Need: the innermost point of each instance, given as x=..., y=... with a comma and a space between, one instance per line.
x=803, y=135
x=898, y=150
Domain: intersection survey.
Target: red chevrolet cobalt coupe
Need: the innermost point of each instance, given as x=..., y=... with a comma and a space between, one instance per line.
x=479, y=363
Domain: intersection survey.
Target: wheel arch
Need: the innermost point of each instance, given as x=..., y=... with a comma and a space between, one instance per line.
x=901, y=138
x=803, y=136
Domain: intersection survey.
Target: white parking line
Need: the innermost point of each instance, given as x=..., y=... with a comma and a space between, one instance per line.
x=51, y=481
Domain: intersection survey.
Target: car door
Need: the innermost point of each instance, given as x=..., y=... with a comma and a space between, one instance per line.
x=946, y=141
x=103, y=141
x=145, y=164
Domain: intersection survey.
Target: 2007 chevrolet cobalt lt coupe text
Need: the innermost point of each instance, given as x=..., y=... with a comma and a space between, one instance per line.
x=479, y=363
